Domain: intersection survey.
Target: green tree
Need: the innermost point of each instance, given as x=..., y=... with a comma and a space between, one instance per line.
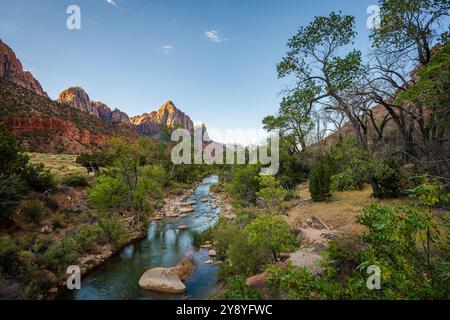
x=272, y=232
x=108, y=193
x=244, y=183
x=408, y=27
x=320, y=180
x=326, y=71
x=271, y=193
x=293, y=121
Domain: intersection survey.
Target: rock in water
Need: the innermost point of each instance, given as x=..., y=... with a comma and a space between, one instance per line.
x=161, y=280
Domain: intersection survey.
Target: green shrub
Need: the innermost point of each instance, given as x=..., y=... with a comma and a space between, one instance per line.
x=7, y=245
x=386, y=180
x=34, y=211
x=199, y=238
x=61, y=254
x=320, y=181
x=115, y=229
x=108, y=192
x=271, y=232
x=75, y=181
x=271, y=194
x=245, y=257
x=88, y=237
x=352, y=166
x=38, y=178
x=11, y=188
x=430, y=192
x=238, y=290
x=291, y=283
x=244, y=184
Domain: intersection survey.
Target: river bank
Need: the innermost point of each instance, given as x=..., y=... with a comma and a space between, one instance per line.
x=165, y=245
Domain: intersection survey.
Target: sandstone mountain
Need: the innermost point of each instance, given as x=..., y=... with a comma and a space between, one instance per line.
x=79, y=99
x=11, y=69
x=43, y=125
x=168, y=115
x=73, y=123
x=107, y=114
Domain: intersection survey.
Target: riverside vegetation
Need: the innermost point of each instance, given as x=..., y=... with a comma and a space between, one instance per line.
x=391, y=135
x=78, y=217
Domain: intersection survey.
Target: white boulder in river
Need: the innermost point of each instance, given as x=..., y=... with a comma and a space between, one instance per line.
x=161, y=280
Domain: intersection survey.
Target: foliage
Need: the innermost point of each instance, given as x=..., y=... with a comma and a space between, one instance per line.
x=87, y=237
x=238, y=290
x=430, y=192
x=271, y=232
x=244, y=184
x=386, y=180
x=291, y=283
x=61, y=254
x=245, y=257
x=271, y=194
x=11, y=188
x=115, y=229
x=391, y=243
x=409, y=26
x=108, y=193
x=351, y=164
x=34, y=211
x=320, y=180
x=75, y=181
x=38, y=178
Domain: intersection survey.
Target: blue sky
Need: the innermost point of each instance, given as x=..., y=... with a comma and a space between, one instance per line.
x=215, y=59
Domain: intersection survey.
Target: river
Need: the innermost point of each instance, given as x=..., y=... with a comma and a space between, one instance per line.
x=164, y=246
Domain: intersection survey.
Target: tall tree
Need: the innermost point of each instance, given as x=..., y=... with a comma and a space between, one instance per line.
x=323, y=65
x=408, y=28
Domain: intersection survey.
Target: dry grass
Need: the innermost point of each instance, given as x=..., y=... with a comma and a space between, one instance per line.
x=339, y=213
x=59, y=164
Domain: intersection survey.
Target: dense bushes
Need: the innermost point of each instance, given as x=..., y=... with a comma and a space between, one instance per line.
x=320, y=180
x=34, y=211
x=18, y=175
x=75, y=181
x=271, y=232
x=115, y=230
x=108, y=193
x=386, y=179
x=351, y=166
x=244, y=184
x=402, y=241
x=238, y=290
x=11, y=189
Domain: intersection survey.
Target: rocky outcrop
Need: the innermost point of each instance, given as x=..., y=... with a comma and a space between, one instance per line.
x=11, y=69
x=162, y=280
x=105, y=113
x=120, y=117
x=43, y=125
x=168, y=115
x=79, y=99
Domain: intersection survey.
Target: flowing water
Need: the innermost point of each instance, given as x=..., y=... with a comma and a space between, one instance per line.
x=164, y=246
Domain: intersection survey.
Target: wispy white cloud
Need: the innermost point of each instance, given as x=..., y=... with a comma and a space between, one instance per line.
x=214, y=36
x=167, y=47
x=112, y=2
